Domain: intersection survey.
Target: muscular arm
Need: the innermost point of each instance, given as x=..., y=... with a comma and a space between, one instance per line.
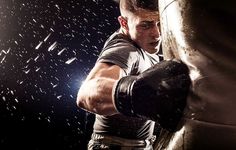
x=95, y=94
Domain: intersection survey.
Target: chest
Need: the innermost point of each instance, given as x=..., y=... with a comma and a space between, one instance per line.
x=144, y=62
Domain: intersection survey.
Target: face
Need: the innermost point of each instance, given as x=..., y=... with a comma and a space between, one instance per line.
x=144, y=29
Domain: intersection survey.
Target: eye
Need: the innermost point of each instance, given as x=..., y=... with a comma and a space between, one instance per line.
x=145, y=26
x=158, y=24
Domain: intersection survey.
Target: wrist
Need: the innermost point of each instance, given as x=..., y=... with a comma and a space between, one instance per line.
x=122, y=95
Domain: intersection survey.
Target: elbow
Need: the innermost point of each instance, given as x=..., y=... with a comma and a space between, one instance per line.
x=85, y=97
x=85, y=101
x=80, y=101
x=82, y=97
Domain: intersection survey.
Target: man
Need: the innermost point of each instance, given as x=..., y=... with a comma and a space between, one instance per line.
x=126, y=90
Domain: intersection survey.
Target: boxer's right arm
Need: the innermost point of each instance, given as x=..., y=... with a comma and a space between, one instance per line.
x=95, y=94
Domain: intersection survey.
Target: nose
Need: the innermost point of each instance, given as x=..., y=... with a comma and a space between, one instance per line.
x=155, y=32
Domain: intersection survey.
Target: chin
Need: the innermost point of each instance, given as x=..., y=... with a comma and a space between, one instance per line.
x=152, y=51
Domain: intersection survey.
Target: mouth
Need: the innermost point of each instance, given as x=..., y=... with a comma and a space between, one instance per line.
x=154, y=43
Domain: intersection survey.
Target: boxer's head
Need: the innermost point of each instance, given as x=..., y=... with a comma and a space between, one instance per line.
x=140, y=21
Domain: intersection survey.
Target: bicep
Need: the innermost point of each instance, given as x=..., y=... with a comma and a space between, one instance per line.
x=105, y=70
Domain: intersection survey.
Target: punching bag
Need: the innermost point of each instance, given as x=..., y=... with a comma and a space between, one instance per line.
x=202, y=33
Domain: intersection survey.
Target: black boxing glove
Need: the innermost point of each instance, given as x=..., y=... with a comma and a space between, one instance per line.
x=158, y=94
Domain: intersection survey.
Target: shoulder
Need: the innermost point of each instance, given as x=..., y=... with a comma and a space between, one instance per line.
x=119, y=47
x=121, y=51
x=118, y=41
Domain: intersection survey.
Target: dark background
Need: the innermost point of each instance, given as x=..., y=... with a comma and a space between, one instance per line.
x=47, y=47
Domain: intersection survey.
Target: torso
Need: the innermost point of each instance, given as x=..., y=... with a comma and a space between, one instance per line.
x=121, y=51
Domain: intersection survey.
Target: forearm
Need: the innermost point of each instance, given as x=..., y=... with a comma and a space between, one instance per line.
x=96, y=96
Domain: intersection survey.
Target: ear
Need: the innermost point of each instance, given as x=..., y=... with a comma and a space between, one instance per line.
x=123, y=22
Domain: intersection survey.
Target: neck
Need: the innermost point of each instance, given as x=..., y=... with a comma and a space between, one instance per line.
x=122, y=31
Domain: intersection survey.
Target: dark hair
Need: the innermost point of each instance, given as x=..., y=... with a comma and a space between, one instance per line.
x=147, y=4
x=133, y=5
